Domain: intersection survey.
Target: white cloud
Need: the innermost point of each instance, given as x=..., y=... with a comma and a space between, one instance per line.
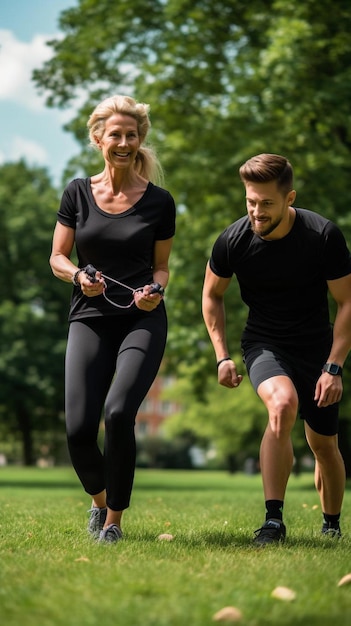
x=17, y=61
x=30, y=130
x=31, y=151
x=24, y=148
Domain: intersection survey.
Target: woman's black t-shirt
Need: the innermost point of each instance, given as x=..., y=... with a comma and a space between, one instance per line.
x=284, y=281
x=119, y=245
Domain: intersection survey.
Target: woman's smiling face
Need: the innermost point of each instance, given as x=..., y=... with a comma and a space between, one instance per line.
x=120, y=141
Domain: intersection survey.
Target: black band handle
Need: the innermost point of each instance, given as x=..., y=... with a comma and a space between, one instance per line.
x=157, y=288
x=91, y=272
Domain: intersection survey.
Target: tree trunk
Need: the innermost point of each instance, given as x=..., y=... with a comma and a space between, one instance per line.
x=25, y=427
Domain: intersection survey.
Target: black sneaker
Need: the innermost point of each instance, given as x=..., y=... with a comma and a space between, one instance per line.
x=272, y=531
x=331, y=531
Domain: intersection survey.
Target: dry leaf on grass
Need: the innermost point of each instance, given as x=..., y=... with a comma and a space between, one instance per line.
x=228, y=614
x=165, y=537
x=283, y=593
x=345, y=580
x=82, y=558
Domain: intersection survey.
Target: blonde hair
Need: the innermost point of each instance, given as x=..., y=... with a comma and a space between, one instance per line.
x=146, y=163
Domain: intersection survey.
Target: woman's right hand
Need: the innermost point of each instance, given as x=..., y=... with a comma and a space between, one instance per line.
x=89, y=288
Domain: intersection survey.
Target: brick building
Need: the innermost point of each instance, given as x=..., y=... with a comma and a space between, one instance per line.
x=154, y=410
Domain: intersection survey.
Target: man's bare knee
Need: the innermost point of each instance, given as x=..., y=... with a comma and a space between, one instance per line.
x=282, y=412
x=324, y=449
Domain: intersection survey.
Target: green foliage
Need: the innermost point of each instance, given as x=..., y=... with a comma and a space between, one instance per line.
x=32, y=314
x=225, y=80
x=230, y=419
x=53, y=574
x=156, y=451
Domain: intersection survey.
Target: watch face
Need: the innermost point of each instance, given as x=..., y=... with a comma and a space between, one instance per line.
x=333, y=368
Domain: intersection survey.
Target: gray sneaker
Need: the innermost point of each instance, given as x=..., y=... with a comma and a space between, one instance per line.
x=111, y=534
x=96, y=521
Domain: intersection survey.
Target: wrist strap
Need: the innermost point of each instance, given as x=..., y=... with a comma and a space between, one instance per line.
x=75, y=278
x=226, y=358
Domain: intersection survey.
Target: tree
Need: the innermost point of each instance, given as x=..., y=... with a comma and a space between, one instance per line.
x=225, y=80
x=33, y=308
x=231, y=420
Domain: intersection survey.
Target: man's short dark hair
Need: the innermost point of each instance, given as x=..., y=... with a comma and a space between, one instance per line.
x=266, y=168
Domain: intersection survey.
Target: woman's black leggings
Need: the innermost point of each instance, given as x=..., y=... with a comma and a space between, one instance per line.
x=111, y=363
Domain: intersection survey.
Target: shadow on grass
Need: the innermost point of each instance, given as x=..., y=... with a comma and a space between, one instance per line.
x=218, y=539
x=164, y=487
x=147, y=486
x=311, y=620
x=40, y=484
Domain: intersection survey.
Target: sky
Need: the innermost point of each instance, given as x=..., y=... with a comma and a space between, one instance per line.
x=28, y=128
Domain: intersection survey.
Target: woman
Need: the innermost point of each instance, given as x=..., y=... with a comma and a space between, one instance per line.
x=122, y=224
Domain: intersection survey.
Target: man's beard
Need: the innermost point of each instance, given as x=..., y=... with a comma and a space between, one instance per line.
x=267, y=229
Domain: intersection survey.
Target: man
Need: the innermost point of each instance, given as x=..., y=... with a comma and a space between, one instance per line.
x=285, y=260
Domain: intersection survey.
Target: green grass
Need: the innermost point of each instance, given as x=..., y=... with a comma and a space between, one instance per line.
x=53, y=574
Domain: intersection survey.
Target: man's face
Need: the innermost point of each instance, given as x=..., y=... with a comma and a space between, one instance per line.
x=268, y=209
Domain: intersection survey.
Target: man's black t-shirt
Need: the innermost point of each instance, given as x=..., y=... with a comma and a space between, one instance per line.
x=119, y=245
x=284, y=281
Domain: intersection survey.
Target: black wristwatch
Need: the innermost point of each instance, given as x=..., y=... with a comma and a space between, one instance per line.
x=332, y=368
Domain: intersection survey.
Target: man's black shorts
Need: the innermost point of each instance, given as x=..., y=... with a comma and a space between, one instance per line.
x=265, y=361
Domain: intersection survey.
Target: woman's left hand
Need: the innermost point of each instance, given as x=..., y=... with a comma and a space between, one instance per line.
x=145, y=300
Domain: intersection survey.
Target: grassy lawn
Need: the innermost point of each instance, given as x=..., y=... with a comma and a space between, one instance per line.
x=53, y=574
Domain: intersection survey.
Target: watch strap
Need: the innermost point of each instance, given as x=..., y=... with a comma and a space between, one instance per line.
x=332, y=368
